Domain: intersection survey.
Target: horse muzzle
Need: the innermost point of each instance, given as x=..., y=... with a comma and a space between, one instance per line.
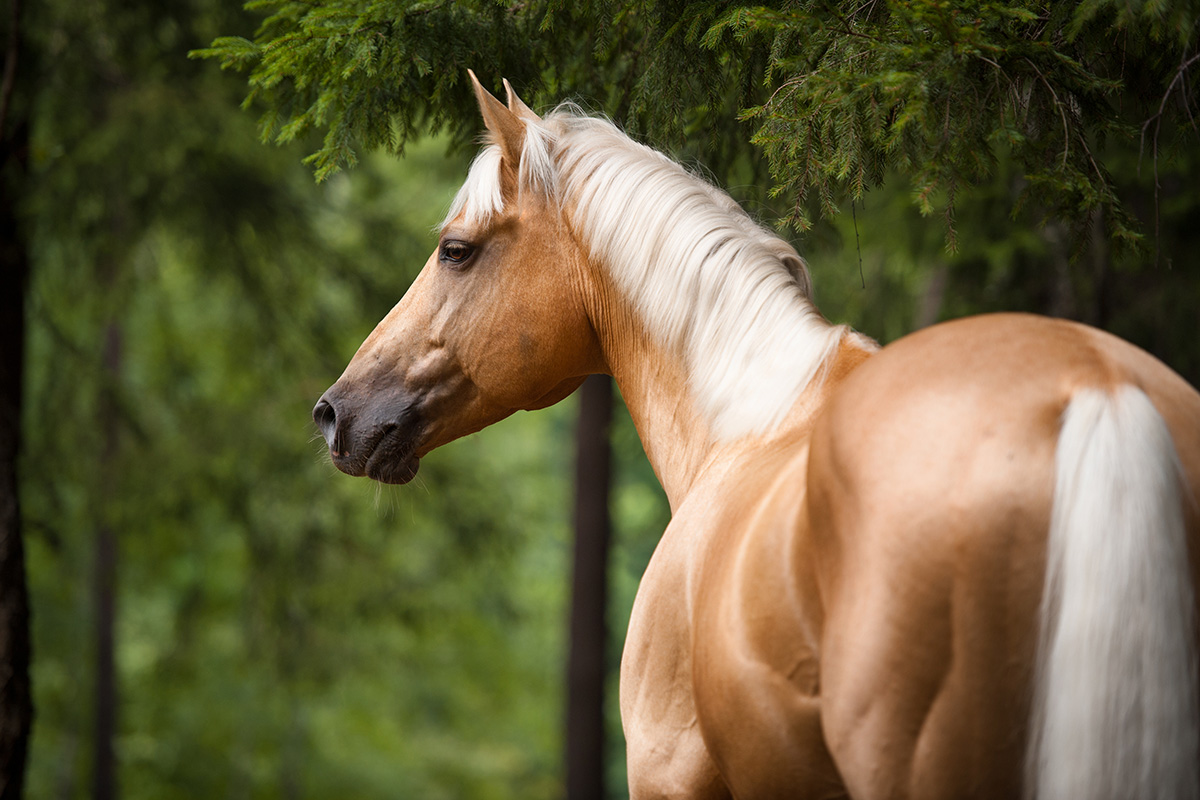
x=373, y=435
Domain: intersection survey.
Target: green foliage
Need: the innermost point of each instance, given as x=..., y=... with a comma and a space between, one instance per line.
x=378, y=73
x=286, y=631
x=842, y=95
x=406, y=62
x=884, y=269
x=282, y=630
x=937, y=91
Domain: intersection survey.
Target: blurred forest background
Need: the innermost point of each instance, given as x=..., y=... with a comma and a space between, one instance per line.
x=215, y=611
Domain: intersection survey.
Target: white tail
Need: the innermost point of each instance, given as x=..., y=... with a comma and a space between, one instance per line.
x=1115, y=707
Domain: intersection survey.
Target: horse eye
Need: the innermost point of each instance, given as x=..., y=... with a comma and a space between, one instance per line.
x=456, y=252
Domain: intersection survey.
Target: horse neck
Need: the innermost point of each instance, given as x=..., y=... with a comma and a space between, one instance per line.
x=681, y=438
x=703, y=314
x=677, y=439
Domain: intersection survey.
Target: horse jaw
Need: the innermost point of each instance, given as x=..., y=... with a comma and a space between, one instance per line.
x=559, y=392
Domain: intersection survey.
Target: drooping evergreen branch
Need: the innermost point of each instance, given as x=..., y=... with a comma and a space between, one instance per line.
x=839, y=95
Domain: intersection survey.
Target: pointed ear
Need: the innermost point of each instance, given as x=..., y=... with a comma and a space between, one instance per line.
x=504, y=125
x=516, y=106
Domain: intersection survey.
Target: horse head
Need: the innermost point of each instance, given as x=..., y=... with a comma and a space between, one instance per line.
x=494, y=323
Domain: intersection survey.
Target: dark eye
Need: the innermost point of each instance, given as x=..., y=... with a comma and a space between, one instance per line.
x=455, y=252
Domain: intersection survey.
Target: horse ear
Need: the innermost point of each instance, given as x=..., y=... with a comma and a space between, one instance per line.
x=516, y=106
x=503, y=124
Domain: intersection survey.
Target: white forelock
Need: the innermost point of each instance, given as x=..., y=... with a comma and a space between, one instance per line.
x=708, y=282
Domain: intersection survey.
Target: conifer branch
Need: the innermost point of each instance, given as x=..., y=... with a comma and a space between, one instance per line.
x=843, y=95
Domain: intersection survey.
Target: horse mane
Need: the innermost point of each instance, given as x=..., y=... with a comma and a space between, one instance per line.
x=733, y=298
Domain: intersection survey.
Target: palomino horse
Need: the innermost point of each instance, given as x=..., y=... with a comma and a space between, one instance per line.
x=958, y=566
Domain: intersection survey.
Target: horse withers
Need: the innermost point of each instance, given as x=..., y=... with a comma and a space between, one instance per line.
x=962, y=565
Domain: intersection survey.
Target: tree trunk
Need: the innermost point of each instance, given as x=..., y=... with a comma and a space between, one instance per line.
x=589, y=594
x=929, y=306
x=104, y=766
x=104, y=775
x=16, y=701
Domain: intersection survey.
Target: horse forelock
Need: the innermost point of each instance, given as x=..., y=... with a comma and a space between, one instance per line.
x=482, y=194
x=731, y=297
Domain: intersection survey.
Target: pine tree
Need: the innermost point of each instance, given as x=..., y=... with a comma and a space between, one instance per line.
x=838, y=96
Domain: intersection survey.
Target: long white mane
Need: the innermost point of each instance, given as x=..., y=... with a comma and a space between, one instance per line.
x=731, y=297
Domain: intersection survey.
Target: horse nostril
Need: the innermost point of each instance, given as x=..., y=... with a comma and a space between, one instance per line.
x=325, y=415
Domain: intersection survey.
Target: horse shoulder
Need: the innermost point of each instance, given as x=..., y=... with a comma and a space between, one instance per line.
x=666, y=752
x=755, y=629
x=722, y=642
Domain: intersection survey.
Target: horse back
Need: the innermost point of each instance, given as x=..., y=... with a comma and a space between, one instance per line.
x=930, y=482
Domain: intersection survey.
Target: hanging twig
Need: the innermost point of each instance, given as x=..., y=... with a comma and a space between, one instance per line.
x=857, y=244
x=1180, y=75
x=1059, y=106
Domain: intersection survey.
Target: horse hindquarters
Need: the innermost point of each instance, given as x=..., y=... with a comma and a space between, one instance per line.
x=932, y=484
x=1115, y=713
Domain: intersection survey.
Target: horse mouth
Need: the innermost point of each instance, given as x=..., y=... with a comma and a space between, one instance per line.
x=393, y=458
x=389, y=456
x=376, y=437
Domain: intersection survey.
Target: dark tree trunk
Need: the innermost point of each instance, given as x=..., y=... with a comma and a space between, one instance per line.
x=589, y=594
x=929, y=306
x=16, y=701
x=104, y=775
x=104, y=769
x=16, y=704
